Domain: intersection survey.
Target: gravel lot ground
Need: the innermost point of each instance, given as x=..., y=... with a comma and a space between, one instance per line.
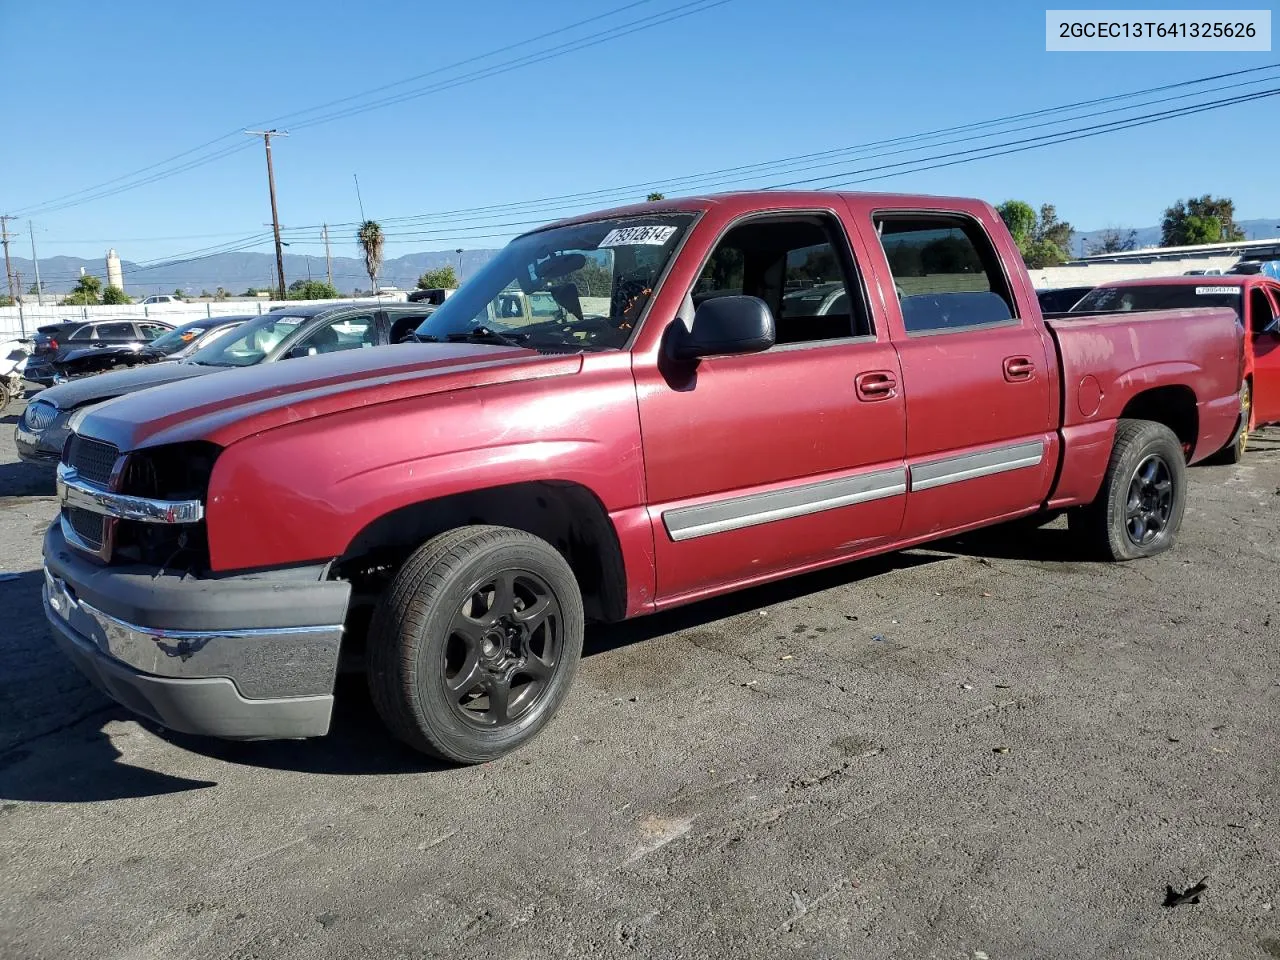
x=989, y=749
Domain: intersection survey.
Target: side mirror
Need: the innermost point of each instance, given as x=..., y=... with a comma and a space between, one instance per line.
x=302, y=350
x=723, y=326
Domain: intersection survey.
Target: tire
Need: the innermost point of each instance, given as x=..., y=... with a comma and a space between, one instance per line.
x=1139, y=509
x=1234, y=451
x=452, y=615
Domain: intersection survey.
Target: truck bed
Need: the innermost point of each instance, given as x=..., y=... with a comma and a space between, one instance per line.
x=1108, y=357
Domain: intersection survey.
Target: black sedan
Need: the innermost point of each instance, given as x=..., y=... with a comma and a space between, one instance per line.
x=68, y=349
x=282, y=334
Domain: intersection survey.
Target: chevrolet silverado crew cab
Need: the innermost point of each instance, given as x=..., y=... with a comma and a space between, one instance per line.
x=675, y=421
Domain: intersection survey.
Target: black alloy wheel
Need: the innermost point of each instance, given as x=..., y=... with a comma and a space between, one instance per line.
x=1150, y=502
x=504, y=644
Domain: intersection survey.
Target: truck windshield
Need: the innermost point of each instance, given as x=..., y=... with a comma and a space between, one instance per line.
x=1173, y=296
x=578, y=287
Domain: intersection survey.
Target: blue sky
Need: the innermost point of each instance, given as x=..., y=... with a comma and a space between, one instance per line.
x=101, y=90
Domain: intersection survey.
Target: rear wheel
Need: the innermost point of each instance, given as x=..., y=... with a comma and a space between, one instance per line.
x=1234, y=451
x=474, y=646
x=1139, y=509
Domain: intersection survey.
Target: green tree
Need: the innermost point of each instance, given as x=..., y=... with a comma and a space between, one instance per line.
x=114, y=295
x=86, y=292
x=1203, y=219
x=6, y=300
x=205, y=294
x=1042, y=238
x=444, y=277
x=220, y=293
x=177, y=292
x=34, y=290
x=251, y=292
x=1114, y=240
x=1020, y=217
x=371, y=242
x=655, y=197
x=312, y=290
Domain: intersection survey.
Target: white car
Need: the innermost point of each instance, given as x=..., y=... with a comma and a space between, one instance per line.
x=162, y=298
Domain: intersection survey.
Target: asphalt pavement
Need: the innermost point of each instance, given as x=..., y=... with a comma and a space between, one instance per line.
x=988, y=749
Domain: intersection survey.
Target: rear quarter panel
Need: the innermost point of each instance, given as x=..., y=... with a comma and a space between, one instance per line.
x=1108, y=360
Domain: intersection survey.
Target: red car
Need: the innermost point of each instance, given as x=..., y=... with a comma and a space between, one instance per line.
x=680, y=419
x=1256, y=302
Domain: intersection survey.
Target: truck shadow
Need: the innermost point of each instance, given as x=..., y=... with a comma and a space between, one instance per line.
x=1052, y=544
x=54, y=747
x=18, y=479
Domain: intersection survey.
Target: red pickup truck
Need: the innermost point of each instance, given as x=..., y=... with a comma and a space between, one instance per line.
x=1255, y=299
x=729, y=390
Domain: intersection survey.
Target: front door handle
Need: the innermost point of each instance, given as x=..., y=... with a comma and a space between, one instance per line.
x=876, y=385
x=1018, y=368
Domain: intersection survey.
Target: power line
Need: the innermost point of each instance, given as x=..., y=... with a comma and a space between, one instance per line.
x=562, y=200
x=127, y=182
x=554, y=53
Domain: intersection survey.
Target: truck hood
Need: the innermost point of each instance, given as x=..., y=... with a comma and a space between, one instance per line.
x=104, y=386
x=238, y=403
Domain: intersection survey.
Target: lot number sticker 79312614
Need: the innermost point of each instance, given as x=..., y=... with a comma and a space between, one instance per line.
x=654, y=236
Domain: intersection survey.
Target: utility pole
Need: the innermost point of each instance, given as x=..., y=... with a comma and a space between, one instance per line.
x=35, y=262
x=328, y=260
x=266, y=136
x=8, y=267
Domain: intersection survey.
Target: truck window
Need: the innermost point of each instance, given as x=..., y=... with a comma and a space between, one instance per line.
x=800, y=267
x=946, y=272
x=1260, y=315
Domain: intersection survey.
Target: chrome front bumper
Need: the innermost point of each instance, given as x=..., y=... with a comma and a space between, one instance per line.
x=229, y=662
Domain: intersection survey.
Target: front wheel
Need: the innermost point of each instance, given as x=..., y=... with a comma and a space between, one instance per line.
x=474, y=646
x=1139, y=509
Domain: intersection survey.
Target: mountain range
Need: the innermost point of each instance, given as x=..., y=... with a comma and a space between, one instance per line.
x=236, y=272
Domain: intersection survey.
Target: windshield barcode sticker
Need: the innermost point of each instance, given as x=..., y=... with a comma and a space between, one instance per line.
x=637, y=236
x=1217, y=291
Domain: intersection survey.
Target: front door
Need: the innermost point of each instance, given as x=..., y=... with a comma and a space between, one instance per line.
x=981, y=443
x=769, y=462
x=1264, y=309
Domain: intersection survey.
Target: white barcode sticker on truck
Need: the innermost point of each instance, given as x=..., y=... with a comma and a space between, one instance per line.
x=1217, y=291
x=637, y=236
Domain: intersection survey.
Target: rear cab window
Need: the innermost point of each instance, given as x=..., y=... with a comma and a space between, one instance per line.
x=946, y=273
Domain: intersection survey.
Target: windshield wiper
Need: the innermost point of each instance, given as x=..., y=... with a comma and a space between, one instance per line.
x=485, y=335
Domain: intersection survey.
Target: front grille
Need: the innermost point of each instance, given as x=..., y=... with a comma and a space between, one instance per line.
x=87, y=526
x=92, y=459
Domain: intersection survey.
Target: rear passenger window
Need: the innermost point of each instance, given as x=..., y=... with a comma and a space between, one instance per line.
x=800, y=267
x=946, y=273
x=115, y=331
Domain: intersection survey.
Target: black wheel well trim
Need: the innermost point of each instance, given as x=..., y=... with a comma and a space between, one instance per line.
x=1173, y=405
x=567, y=514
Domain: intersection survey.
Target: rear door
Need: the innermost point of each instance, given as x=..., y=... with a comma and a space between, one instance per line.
x=1264, y=310
x=978, y=375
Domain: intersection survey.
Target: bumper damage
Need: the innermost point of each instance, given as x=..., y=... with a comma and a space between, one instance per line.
x=250, y=657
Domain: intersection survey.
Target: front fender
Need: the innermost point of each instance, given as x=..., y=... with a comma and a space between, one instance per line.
x=301, y=492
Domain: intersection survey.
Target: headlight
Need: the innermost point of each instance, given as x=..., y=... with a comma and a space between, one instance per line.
x=39, y=416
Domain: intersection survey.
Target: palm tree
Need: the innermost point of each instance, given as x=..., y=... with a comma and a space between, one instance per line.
x=371, y=239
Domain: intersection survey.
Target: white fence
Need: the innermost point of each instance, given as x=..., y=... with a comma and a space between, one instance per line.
x=23, y=320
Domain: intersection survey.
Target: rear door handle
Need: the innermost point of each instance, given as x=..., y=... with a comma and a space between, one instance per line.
x=876, y=385
x=1018, y=368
